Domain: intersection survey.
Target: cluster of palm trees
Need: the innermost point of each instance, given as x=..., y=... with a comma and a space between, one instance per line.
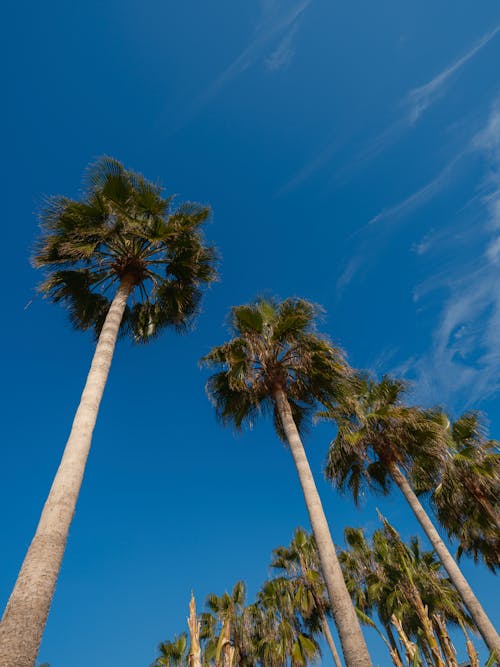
x=126, y=259
x=397, y=589
x=281, y=626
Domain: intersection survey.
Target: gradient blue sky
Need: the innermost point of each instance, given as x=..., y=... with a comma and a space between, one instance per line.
x=351, y=154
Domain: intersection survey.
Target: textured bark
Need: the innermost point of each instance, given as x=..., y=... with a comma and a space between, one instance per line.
x=194, y=658
x=26, y=612
x=471, y=649
x=426, y=625
x=392, y=641
x=329, y=639
x=473, y=605
x=409, y=646
x=353, y=644
x=445, y=641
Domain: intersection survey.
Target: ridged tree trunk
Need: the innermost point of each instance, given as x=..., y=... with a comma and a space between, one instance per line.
x=483, y=623
x=444, y=639
x=194, y=657
x=352, y=640
x=471, y=649
x=26, y=612
x=329, y=639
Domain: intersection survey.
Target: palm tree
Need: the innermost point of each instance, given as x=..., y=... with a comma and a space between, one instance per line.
x=123, y=242
x=226, y=628
x=280, y=634
x=467, y=497
x=378, y=439
x=173, y=653
x=277, y=362
x=300, y=562
x=400, y=580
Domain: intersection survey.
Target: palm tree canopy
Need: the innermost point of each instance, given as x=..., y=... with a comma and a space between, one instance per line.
x=227, y=613
x=173, y=653
x=300, y=564
x=281, y=635
x=376, y=429
x=467, y=497
x=383, y=575
x=124, y=228
x=275, y=346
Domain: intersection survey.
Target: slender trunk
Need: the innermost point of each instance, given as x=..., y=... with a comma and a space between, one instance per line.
x=426, y=625
x=409, y=646
x=447, y=647
x=194, y=657
x=471, y=649
x=353, y=644
x=391, y=645
x=322, y=615
x=392, y=641
x=426, y=654
x=473, y=605
x=328, y=635
x=26, y=612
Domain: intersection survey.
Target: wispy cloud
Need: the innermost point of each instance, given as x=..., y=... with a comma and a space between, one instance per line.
x=412, y=107
x=418, y=100
x=372, y=236
x=421, y=98
x=282, y=56
x=279, y=19
x=463, y=363
x=421, y=196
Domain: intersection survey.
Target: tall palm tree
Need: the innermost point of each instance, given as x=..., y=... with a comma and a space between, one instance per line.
x=467, y=497
x=123, y=242
x=300, y=562
x=277, y=362
x=378, y=439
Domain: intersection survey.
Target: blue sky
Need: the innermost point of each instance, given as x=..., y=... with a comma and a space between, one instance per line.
x=351, y=154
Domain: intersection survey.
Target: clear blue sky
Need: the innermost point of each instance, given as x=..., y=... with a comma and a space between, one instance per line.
x=351, y=154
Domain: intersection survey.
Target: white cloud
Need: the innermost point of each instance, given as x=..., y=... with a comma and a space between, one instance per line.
x=421, y=196
x=282, y=56
x=463, y=363
x=414, y=105
x=421, y=98
x=277, y=18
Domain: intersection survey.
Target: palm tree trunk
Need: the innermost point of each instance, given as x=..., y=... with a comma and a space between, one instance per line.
x=353, y=644
x=390, y=635
x=194, y=657
x=471, y=649
x=447, y=647
x=328, y=635
x=26, y=612
x=473, y=605
x=409, y=646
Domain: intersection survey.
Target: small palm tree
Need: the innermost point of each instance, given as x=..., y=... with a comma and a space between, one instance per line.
x=277, y=362
x=124, y=242
x=281, y=636
x=300, y=563
x=173, y=653
x=378, y=439
x=226, y=628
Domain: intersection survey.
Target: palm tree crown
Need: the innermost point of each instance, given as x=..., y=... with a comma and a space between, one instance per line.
x=376, y=431
x=275, y=345
x=124, y=230
x=467, y=498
